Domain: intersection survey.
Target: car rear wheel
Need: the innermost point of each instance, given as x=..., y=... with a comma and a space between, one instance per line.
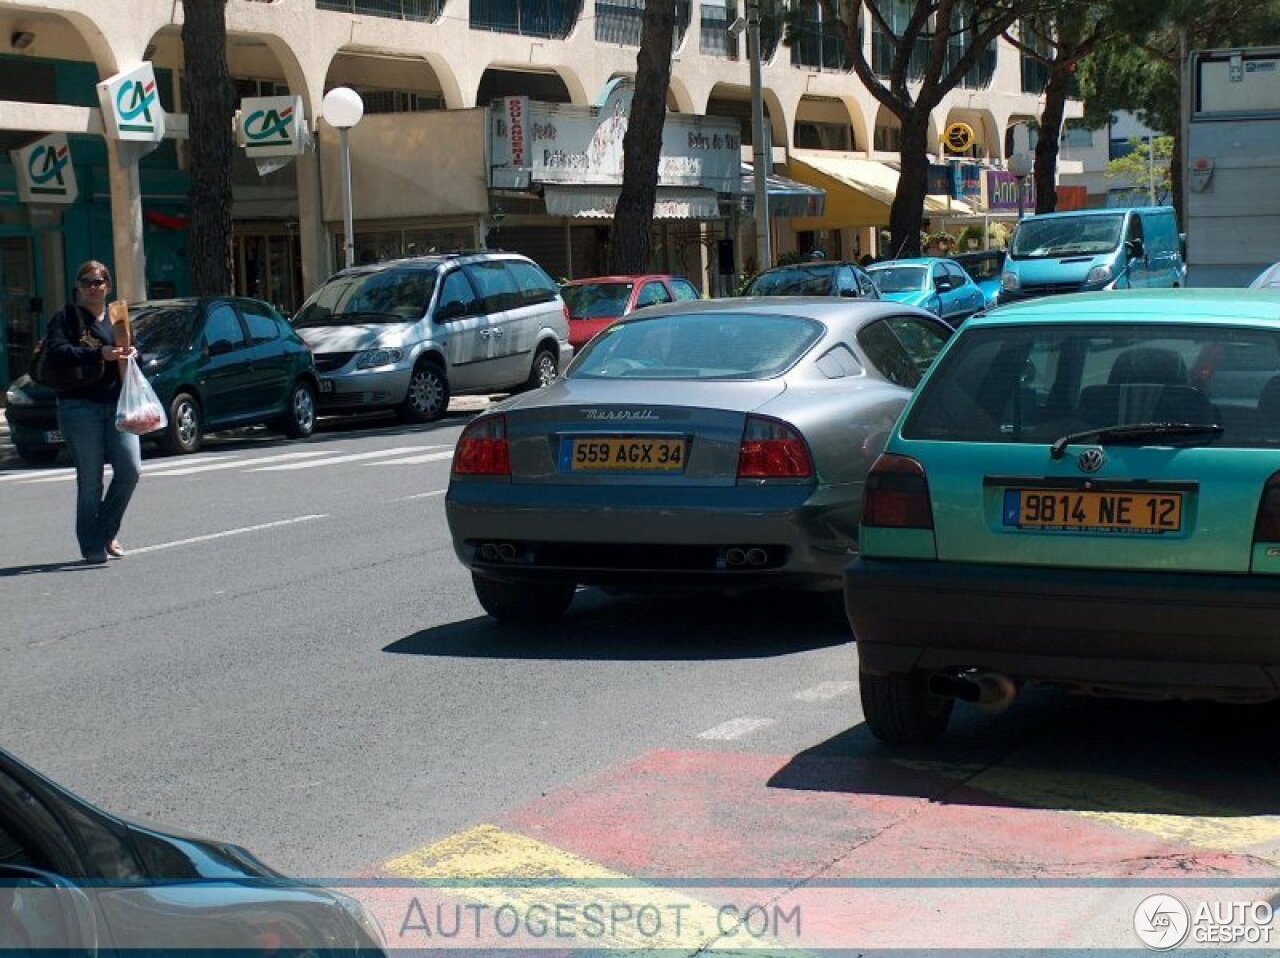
x=544, y=371
x=37, y=455
x=300, y=421
x=522, y=602
x=428, y=396
x=183, y=434
x=900, y=709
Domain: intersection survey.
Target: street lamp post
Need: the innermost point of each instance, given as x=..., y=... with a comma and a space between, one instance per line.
x=760, y=161
x=1020, y=166
x=342, y=109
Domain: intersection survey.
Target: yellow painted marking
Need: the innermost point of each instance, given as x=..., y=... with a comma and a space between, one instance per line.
x=1175, y=817
x=489, y=853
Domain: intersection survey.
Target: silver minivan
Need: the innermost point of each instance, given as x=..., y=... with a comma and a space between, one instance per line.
x=407, y=334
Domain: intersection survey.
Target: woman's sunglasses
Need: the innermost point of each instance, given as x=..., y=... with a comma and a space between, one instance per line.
x=92, y=283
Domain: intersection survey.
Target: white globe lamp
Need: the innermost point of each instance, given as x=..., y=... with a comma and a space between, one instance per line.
x=342, y=109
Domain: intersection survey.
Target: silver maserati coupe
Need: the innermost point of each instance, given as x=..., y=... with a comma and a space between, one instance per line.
x=720, y=444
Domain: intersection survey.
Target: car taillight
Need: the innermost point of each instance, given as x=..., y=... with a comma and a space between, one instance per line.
x=482, y=449
x=1267, y=526
x=772, y=450
x=897, y=495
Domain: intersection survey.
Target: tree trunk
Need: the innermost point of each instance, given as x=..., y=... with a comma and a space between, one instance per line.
x=212, y=107
x=1177, y=170
x=906, y=216
x=642, y=144
x=1046, y=166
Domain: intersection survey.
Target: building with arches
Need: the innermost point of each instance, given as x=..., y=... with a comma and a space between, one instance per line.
x=428, y=71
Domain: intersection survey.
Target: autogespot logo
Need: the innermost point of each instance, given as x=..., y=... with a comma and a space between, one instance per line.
x=1161, y=922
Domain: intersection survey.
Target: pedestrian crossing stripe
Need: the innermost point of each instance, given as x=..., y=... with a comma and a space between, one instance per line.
x=513, y=871
x=1182, y=819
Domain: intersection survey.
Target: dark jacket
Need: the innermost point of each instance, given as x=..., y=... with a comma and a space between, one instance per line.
x=75, y=340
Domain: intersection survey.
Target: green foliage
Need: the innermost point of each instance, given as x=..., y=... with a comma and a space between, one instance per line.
x=1135, y=170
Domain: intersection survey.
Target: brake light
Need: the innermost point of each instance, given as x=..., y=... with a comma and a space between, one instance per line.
x=1267, y=526
x=897, y=495
x=482, y=449
x=772, y=450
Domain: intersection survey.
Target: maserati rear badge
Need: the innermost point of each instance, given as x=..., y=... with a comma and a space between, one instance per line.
x=1091, y=460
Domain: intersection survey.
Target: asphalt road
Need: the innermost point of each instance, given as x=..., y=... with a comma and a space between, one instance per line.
x=291, y=658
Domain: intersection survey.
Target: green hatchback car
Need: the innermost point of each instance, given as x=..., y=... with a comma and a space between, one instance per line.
x=1084, y=491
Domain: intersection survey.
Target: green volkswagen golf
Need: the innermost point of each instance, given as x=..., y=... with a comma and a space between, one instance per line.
x=1084, y=492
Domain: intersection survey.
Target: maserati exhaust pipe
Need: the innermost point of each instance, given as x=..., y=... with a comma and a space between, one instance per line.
x=992, y=691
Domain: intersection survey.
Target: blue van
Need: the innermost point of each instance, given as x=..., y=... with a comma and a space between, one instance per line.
x=1093, y=249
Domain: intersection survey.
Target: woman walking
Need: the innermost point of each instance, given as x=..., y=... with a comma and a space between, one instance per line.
x=82, y=346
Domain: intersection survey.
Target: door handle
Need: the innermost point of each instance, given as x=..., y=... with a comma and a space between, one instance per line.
x=484, y=333
x=498, y=332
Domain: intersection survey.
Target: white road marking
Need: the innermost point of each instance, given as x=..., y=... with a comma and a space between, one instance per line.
x=421, y=495
x=735, y=728
x=353, y=457
x=825, y=691
x=238, y=464
x=222, y=535
x=149, y=468
x=413, y=460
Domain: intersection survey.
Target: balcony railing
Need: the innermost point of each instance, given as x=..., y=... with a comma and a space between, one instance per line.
x=426, y=10
x=531, y=18
x=619, y=21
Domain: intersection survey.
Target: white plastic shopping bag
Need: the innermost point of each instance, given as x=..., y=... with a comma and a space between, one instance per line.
x=139, y=410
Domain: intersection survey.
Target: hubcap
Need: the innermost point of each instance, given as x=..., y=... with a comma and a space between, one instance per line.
x=426, y=392
x=187, y=426
x=304, y=410
x=546, y=370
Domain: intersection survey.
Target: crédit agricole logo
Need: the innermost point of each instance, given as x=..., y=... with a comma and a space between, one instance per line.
x=134, y=102
x=265, y=128
x=45, y=166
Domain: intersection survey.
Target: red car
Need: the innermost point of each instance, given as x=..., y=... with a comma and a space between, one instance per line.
x=595, y=303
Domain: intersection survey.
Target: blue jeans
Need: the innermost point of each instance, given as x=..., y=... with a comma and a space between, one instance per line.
x=89, y=429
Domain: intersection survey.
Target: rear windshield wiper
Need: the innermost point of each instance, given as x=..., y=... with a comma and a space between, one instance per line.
x=1136, y=430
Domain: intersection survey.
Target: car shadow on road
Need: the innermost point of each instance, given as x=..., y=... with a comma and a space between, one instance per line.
x=686, y=628
x=1185, y=760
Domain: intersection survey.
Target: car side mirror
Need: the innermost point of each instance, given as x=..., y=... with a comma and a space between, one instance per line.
x=942, y=284
x=849, y=293
x=40, y=912
x=454, y=309
x=1135, y=249
x=220, y=347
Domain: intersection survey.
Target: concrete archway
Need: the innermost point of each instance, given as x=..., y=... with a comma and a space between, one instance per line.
x=734, y=101
x=829, y=123
x=986, y=139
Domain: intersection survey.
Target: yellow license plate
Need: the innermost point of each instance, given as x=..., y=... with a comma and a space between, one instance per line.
x=1140, y=513
x=627, y=454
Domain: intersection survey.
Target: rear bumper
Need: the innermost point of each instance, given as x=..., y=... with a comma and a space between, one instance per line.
x=30, y=426
x=649, y=538
x=1148, y=634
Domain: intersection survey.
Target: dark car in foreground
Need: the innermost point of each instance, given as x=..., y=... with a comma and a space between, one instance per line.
x=215, y=363
x=712, y=445
x=1084, y=492
x=75, y=880
x=817, y=278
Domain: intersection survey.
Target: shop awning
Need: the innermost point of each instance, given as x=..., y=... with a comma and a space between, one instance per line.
x=859, y=191
x=600, y=203
x=786, y=197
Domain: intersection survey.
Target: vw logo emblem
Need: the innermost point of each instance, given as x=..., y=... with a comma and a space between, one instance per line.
x=1091, y=460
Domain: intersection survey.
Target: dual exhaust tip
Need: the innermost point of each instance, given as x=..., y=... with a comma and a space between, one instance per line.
x=498, y=552
x=992, y=691
x=746, y=556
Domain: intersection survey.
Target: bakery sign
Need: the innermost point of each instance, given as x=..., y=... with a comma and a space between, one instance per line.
x=533, y=142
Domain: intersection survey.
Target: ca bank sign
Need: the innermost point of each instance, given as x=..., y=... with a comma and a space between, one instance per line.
x=44, y=171
x=272, y=126
x=131, y=107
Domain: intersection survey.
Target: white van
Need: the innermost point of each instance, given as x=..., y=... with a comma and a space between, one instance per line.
x=1093, y=249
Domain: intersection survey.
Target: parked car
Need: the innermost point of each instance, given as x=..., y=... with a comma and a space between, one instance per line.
x=938, y=285
x=984, y=268
x=814, y=278
x=1082, y=493
x=215, y=363
x=711, y=445
x=407, y=334
x=595, y=303
x=1084, y=250
x=75, y=879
